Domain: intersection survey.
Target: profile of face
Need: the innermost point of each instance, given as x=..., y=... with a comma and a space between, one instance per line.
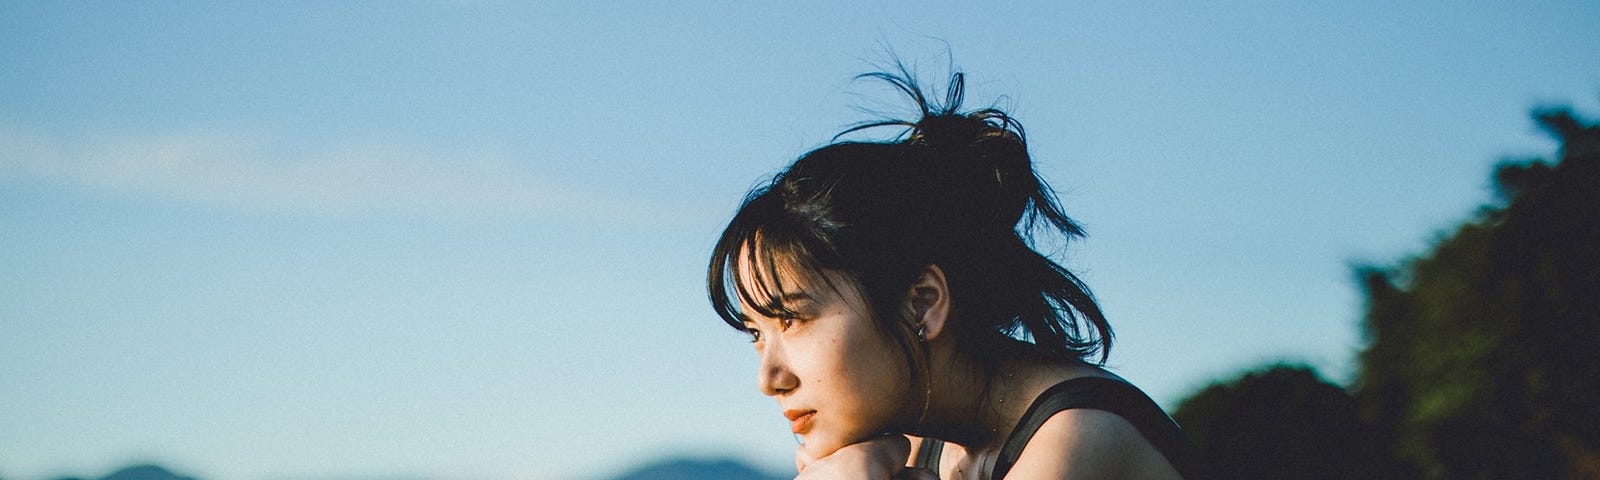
x=838, y=378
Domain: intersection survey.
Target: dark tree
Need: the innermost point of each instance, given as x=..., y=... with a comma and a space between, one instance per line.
x=1280, y=422
x=1484, y=353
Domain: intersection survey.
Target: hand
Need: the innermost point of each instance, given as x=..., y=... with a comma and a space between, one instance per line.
x=879, y=458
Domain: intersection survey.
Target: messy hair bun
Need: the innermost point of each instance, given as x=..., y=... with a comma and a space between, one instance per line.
x=954, y=189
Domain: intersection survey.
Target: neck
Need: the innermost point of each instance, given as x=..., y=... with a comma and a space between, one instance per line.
x=972, y=406
x=977, y=408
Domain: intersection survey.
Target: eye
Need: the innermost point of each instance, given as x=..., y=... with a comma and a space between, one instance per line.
x=755, y=335
x=785, y=323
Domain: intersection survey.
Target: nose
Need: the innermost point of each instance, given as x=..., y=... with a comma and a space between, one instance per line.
x=774, y=378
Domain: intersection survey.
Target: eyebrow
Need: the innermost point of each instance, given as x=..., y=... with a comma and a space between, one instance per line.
x=787, y=303
x=796, y=297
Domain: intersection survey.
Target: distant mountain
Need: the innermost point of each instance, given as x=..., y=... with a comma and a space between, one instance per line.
x=669, y=469
x=692, y=469
x=139, y=472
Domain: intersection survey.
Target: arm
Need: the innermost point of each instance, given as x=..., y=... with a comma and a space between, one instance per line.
x=880, y=458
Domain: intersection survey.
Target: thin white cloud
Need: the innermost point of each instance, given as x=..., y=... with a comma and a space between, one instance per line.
x=249, y=173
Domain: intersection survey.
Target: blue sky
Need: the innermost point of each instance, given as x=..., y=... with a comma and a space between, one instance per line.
x=465, y=239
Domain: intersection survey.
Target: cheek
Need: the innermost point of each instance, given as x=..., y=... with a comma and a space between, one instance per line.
x=879, y=378
x=863, y=374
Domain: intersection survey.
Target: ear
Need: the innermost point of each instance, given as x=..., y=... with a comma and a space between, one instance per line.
x=928, y=301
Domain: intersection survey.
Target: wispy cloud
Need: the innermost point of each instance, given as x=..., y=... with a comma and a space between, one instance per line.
x=252, y=173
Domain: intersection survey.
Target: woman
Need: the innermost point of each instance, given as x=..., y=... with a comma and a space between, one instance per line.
x=891, y=290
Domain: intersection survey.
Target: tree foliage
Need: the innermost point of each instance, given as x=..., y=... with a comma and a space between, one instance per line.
x=1483, y=359
x=1280, y=422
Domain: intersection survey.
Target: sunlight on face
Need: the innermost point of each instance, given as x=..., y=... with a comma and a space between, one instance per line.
x=838, y=378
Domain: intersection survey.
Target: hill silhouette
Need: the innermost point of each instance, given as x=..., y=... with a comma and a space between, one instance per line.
x=139, y=472
x=666, y=469
x=697, y=469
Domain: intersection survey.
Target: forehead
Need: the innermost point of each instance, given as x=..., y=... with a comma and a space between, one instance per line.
x=769, y=281
x=766, y=272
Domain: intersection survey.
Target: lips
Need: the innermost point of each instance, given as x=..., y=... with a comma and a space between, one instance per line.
x=799, y=420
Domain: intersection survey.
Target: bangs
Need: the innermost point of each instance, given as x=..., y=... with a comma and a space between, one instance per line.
x=759, y=268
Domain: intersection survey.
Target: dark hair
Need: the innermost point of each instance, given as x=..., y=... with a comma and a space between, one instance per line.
x=955, y=189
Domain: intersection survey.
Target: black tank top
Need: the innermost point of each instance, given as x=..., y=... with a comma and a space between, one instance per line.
x=1095, y=393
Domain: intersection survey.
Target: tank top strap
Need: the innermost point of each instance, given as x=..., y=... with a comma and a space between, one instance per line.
x=1105, y=394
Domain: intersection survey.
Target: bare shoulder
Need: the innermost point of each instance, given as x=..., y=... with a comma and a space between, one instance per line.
x=1086, y=443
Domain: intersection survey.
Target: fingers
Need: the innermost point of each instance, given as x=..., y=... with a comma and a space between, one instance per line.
x=876, y=458
x=911, y=473
x=895, y=446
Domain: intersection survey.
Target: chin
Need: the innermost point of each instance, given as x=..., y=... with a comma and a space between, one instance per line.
x=818, y=446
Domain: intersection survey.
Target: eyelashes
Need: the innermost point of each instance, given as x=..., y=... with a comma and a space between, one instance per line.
x=784, y=324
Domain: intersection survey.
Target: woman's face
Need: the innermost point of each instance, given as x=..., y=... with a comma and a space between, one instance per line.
x=838, y=378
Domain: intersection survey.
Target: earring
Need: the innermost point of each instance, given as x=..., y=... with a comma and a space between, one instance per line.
x=927, y=383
